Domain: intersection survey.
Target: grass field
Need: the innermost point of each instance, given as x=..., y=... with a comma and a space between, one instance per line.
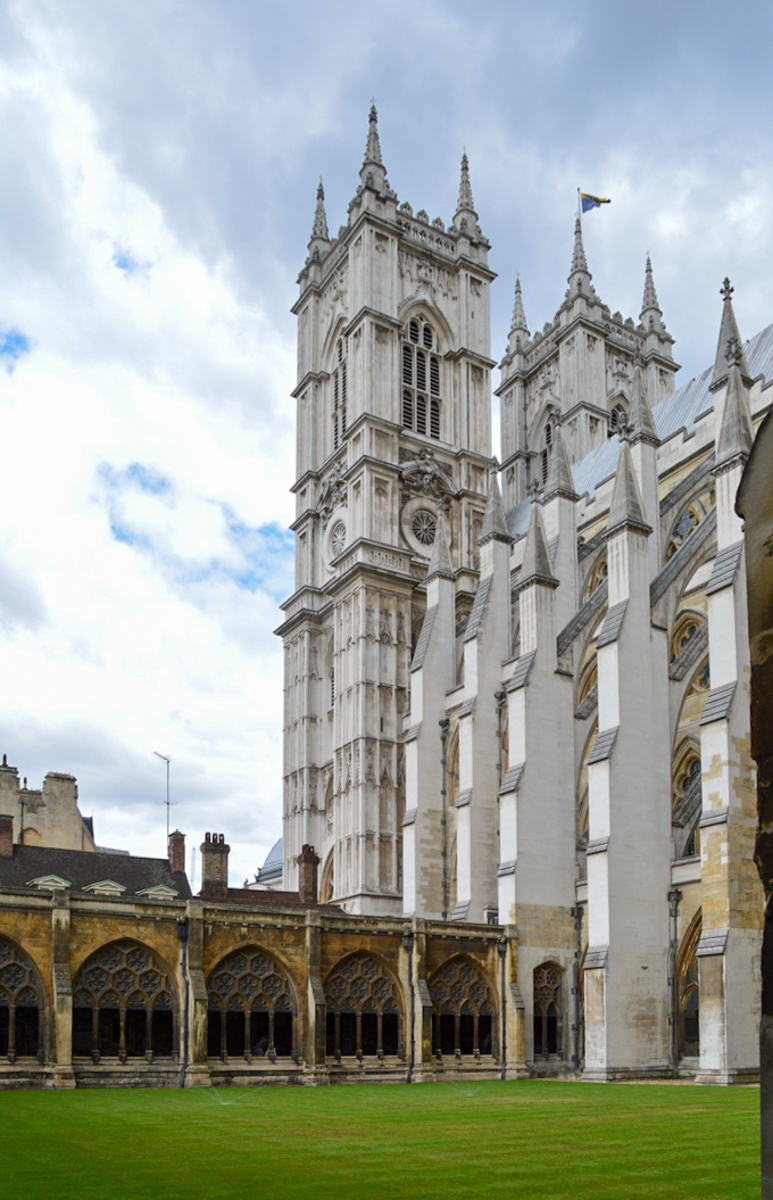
x=562, y=1141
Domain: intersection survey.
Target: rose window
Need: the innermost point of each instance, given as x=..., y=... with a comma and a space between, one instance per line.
x=424, y=527
x=338, y=540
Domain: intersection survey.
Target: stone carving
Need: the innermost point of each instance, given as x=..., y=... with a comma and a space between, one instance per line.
x=382, y=334
x=334, y=494
x=425, y=476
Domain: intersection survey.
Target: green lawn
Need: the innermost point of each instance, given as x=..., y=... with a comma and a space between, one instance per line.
x=561, y=1141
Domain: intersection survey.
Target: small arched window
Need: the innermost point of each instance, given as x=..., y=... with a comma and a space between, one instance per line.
x=547, y=1010
x=340, y=395
x=617, y=420
x=420, y=400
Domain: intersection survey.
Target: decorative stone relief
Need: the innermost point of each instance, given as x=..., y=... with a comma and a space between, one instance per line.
x=334, y=494
x=424, y=474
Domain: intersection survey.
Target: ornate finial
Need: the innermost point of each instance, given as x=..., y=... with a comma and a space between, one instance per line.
x=624, y=427
x=495, y=464
x=727, y=289
x=534, y=491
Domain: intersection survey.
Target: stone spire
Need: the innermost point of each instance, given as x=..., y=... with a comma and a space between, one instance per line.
x=519, y=316
x=626, y=507
x=494, y=520
x=641, y=421
x=651, y=315
x=579, y=276
x=728, y=336
x=536, y=555
x=373, y=172
x=559, y=480
x=465, y=217
x=736, y=433
x=440, y=562
x=319, y=233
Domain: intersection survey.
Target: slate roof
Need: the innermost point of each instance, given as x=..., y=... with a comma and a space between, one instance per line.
x=82, y=869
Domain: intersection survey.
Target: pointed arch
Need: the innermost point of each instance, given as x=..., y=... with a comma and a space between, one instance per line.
x=548, y=980
x=464, y=1009
x=365, y=1008
x=252, y=1006
x=105, y=1023
x=688, y=989
x=421, y=307
x=22, y=1004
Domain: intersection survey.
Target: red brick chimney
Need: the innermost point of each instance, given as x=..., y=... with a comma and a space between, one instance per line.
x=6, y=836
x=307, y=862
x=214, y=867
x=176, y=850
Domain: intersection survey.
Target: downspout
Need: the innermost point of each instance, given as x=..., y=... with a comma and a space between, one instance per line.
x=502, y=952
x=444, y=724
x=182, y=933
x=408, y=943
x=576, y=913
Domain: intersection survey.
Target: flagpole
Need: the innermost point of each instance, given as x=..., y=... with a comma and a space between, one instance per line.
x=579, y=206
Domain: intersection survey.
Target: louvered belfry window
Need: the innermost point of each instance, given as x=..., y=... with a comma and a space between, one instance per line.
x=420, y=402
x=340, y=396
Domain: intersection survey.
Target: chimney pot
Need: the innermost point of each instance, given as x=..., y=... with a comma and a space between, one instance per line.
x=307, y=862
x=176, y=850
x=6, y=835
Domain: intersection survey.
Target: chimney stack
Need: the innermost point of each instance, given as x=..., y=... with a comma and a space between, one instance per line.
x=307, y=862
x=6, y=835
x=214, y=867
x=176, y=850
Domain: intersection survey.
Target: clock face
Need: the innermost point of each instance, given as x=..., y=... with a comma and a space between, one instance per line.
x=424, y=527
x=338, y=540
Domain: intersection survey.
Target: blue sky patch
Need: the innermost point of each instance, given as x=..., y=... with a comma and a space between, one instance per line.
x=12, y=345
x=124, y=261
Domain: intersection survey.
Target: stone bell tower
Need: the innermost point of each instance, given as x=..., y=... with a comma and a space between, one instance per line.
x=393, y=431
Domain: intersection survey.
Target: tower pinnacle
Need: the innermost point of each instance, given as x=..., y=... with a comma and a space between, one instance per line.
x=465, y=217
x=373, y=172
x=729, y=337
x=319, y=228
x=579, y=276
x=519, y=316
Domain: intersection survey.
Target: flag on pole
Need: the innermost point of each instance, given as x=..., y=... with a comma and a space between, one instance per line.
x=588, y=202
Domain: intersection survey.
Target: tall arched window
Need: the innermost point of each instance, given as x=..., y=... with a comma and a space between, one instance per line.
x=21, y=1002
x=420, y=399
x=251, y=1007
x=547, y=1010
x=688, y=990
x=340, y=395
x=363, y=1009
x=124, y=1004
x=463, y=1019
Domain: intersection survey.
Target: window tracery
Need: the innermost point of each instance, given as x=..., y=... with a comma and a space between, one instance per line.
x=251, y=1007
x=21, y=1002
x=463, y=1018
x=124, y=1004
x=689, y=520
x=364, y=1013
x=420, y=398
x=547, y=1010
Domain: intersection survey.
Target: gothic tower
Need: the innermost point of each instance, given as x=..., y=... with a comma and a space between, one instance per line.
x=393, y=435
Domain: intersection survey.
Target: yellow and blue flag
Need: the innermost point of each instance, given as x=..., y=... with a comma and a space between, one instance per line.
x=588, y=202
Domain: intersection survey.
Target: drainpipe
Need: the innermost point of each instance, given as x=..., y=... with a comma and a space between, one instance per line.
x=576, y=913
x=444, y=724
x=674, y=896
x=408, y=942
x=182, y=933
x=502, y=952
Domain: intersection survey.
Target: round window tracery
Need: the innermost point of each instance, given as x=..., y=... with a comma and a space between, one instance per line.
x=424, y=527
x=338, y=539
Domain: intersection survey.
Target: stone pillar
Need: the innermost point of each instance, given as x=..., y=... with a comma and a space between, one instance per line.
x=214, y=867
x=313, y=1040
x=62, y=1076
x=197, y=1074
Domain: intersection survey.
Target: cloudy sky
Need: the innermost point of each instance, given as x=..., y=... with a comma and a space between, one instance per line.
x=158, y=165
